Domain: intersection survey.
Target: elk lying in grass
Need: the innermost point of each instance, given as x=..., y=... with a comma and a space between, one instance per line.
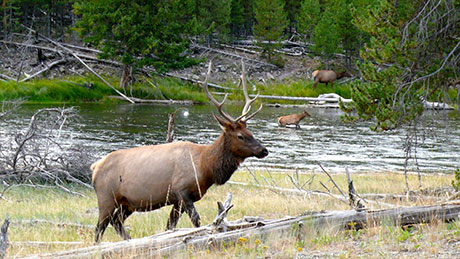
x=292, y=119
x=328, y=76
x=179, y=173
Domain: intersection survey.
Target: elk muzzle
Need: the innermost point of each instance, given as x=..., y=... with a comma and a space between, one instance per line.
x=261, y=152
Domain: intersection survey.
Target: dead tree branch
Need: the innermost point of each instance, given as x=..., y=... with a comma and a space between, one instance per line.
x=170, y=134
x=81, y=61
x=171, y=242
x=48, y=67
x=332, y=180
x=43, y=151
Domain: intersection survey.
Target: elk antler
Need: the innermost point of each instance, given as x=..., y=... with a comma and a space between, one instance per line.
x=213, y=100
x=247, y=106
x=249, y=101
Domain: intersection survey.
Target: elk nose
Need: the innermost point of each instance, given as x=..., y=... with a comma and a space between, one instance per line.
x=263, y=153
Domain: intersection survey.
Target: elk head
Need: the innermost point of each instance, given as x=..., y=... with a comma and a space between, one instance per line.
x=238, y=140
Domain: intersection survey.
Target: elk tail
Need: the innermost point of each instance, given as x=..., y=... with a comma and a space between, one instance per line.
x=315, y=73
x=94, y=169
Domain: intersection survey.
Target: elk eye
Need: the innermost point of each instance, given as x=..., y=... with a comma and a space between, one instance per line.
x=241, y=137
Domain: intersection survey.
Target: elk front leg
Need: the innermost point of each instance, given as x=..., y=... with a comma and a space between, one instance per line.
x=174, y=216
x=192, y=213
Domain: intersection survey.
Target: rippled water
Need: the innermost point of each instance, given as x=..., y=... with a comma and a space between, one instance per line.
x=323, y=138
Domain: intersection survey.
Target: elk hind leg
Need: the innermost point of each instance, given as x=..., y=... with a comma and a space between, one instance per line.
x=105, y=214
x=117, y=220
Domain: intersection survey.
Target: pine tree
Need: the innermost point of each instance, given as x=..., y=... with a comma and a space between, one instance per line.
x=138, y=33
x=410, y=58
x=271, y=22
x=326, y=36
x=214, y=18
x=308, y=17
x=292, y=8
x=237, y=18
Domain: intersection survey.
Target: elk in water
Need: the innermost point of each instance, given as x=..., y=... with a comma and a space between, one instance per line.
x=179, y=173
x=328, y=76
x=292, y=119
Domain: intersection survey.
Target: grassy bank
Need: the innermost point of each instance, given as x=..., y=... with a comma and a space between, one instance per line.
x=91, y=89
x=24, y=203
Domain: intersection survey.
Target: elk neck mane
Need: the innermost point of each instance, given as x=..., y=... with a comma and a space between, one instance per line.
x=222, y=162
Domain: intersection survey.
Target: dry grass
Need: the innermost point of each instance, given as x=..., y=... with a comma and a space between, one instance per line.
x=25, y=203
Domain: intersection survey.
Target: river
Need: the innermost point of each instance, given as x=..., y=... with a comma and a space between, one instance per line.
x=322, y=139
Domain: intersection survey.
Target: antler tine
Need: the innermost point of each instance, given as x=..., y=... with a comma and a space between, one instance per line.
x=213, y=100
x=249, y=101
x=252, y=115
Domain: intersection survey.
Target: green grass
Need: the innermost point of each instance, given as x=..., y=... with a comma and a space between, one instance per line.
x=91, y=89
x=303, y=88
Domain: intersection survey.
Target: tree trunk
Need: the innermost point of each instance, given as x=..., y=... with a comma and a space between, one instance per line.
x=126, y=76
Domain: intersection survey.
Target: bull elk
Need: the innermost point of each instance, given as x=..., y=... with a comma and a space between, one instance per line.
x=328, y=76
x=149, y=177
x=292, y=119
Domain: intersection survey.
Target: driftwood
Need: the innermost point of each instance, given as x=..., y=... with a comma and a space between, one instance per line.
x=305, y=99
x=170, y=134
x=356, y=202
x=170, y=242
x=4, y=238
x=220, y=223
x=138, y=100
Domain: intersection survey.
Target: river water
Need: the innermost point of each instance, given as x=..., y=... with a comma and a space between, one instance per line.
x=322, y=139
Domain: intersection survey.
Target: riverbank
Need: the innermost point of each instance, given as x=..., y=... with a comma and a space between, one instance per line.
x=47, y=218
x=91, y=89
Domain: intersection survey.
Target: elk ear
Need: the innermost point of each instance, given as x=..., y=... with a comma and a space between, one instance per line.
x=223, y=123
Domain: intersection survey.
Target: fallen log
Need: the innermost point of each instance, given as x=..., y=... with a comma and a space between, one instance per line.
x=48, y=67
x=248, y=60
x=169, y=102
x=81, y=61
x=305, y=99
x=4, y=238
x=170, y=242
x=6, y=77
